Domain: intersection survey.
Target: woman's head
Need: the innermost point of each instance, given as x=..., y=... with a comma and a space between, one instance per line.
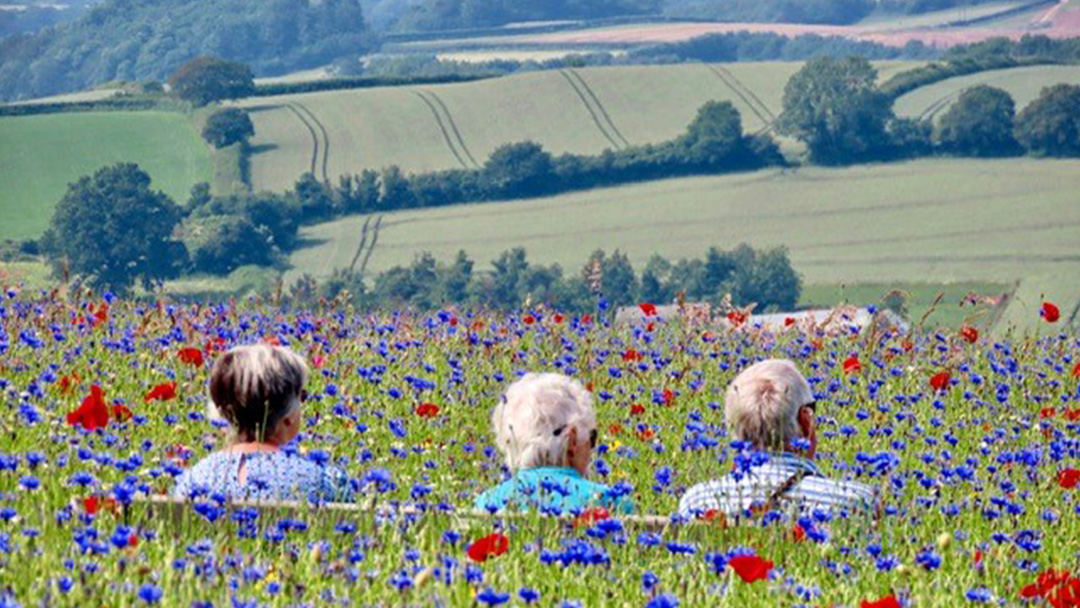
x=545, y=420
x=770, y=404
x=258, y=389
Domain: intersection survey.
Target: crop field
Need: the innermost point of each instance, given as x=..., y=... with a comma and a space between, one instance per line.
x=969, y=443
x=41, y=154
x=932, y=304
x=433, y=127
x=1024, y=84
x=941, y=220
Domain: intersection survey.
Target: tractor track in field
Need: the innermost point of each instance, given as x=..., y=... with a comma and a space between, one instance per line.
x=453, y=126
x=748, y=97
x=314, y=136
x=596, y=110
x=325, y=139
x=450, y=133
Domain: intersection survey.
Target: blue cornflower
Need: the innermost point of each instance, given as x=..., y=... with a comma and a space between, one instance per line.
x=528, y=595
x=664, y=600
x=492, y=598
x=151, y=594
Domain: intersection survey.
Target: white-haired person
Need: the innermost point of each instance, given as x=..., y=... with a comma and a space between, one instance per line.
x=771, y=407
x=259, y=391
x=545, y=428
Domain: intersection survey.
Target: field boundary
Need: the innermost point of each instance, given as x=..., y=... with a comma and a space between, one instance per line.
x=609, y=135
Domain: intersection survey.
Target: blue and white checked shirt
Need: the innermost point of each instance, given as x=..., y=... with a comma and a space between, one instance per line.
x=734, y=497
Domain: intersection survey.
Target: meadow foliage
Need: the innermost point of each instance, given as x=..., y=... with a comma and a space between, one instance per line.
x=972, y=444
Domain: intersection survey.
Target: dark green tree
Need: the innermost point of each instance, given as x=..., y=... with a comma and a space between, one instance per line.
x=113, y=229
x=227, y=127
x=313, y=198
x=520, y=169
x=221, y=243
x=980, y=123
x=457, y=278
x=835, y=107
x=1050, y=125
x=766, y=278
x=714, y=136
x=205, y=80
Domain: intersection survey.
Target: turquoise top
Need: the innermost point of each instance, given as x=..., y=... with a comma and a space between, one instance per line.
x=556, y=490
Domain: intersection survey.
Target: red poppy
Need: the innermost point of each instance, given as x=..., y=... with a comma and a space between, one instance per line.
x=489, y=546
x=907, y=344
x=969, y=334
x=648, y=309
x=586, y=319
x=91, y=504
x=715, y=516
x=1076, y=371
x=736, y=317
x=637, y=409
x=121, y=412
x=789, y=321
x=614, y=429
x=191, y=356
x=133, y=541
x=453, y=321
x=1050, y=312
x=92, y=413
x=64, y=385
x=798, y=533
x=1052, y=585
x=557, y=318
x=101, y=315
x=1072, y=415
x=161, y=392
x=852, y=365
x=646, y=434
x=889, y=601
x=529, y=320
x=318, y=361
x=750, y=568
x=1047, y=412
x=1068, y=478
x=669, y=396
x=427, y=410
x=591, y=516
x=632, y=355
x=650, y=326
x=940, y=381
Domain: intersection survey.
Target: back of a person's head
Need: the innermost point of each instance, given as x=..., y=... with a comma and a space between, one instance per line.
x=254, y=387
x=762, y=404
x=533, y=418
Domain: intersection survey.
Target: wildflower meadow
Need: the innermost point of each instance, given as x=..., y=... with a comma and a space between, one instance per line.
x=972, y=440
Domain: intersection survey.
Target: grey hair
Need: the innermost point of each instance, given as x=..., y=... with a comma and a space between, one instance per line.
x=254, y=387
x=533, y=419
x=762, y=404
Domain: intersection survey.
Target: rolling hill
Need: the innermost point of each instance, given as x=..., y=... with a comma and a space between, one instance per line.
x=424, y=128
x=1023, y=83
x=41, y=154
x=943, y=220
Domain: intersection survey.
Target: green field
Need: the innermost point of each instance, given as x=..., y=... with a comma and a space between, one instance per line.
x=1024, y=84
x=40, y=155
x=425, y=128
x=936, y=221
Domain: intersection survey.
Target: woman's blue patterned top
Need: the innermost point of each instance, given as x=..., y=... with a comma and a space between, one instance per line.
x=270, y=476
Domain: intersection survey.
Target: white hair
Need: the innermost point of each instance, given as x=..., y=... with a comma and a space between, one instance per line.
x=762, y=404
x=533, y=419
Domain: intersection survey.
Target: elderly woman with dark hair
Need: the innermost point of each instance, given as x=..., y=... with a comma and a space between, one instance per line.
x=259, y=391
x=545, y=428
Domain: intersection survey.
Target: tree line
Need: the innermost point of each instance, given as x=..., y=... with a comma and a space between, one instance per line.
x=741, y=276
x=835, y=108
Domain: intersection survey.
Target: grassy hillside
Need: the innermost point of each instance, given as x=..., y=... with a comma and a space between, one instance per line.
x=433, y=127
x=1024, y=84
x=937, y=220
x=40, y=155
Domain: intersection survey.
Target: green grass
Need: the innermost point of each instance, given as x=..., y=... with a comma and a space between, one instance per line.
x=1024, y=84
x=434, y=127
x=932, y=221
x=921, y=299
x=40, y=155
